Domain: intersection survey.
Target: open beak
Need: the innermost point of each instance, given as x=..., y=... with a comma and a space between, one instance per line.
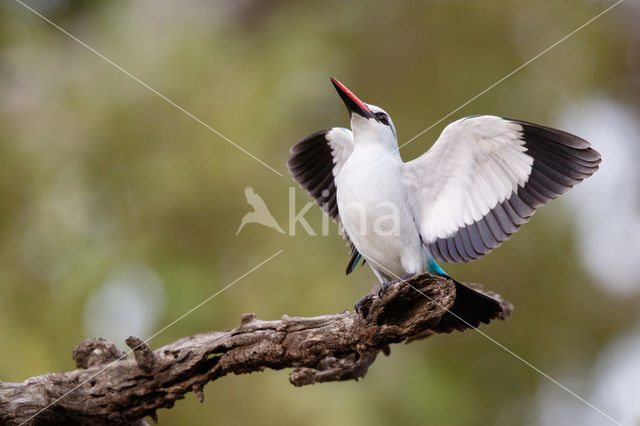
x=354, y=105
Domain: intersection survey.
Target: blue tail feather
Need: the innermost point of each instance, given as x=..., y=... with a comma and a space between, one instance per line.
x=435, y=269
x=358, y=257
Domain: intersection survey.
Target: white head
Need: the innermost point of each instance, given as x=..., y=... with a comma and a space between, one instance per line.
x=369, y=123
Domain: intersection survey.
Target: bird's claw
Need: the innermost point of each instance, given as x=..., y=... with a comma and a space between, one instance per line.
x=407, y=276
x=383, y=288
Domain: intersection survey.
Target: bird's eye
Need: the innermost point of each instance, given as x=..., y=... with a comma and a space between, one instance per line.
x=383, y=118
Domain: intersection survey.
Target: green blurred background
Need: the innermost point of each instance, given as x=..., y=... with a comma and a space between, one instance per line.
x=118, y=212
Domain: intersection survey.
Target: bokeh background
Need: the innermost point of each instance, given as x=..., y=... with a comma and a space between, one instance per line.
x=118, y=212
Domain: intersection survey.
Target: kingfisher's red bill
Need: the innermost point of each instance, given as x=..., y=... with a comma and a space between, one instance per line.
x=354, y=105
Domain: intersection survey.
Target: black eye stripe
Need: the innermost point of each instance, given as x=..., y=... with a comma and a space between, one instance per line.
x=383, y=118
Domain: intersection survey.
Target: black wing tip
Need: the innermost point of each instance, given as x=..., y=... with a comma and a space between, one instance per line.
x=560, y=161
x=560, y=136
x=311, y=166
x=300, y=145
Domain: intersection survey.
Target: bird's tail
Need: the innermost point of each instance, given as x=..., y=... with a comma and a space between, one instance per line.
x=469, y=309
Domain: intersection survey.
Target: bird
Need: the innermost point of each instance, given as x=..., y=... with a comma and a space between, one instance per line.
x=482, y=179
x=260, y=213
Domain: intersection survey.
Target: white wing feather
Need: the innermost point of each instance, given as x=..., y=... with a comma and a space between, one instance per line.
x=475, y=164
x=485, y=176
x=341, y=142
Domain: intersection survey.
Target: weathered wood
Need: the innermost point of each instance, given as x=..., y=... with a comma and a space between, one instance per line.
x=113, y=390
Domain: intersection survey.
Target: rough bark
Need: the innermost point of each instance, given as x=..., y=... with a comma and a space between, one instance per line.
x=110, y=389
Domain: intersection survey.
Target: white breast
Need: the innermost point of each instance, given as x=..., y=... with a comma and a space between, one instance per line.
x=374, y=212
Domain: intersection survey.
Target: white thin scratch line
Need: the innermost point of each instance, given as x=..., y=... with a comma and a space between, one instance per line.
x=499, y=81
x=128, y=74
x=154, y=335
x=512, y=72
x=548, y=377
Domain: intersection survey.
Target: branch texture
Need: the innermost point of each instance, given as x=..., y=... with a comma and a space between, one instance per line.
x=110, y=389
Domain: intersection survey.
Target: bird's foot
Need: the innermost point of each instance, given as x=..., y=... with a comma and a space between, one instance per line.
x=385, y=286
x=359, y=304
x=407, y=276
x=363, y=306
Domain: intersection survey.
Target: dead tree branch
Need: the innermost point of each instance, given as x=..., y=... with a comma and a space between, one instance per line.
x=110, y=389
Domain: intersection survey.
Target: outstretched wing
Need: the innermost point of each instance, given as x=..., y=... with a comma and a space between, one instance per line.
x=315, y=162
x=485, y=176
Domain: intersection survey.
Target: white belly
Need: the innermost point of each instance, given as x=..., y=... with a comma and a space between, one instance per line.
x=375, y=214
